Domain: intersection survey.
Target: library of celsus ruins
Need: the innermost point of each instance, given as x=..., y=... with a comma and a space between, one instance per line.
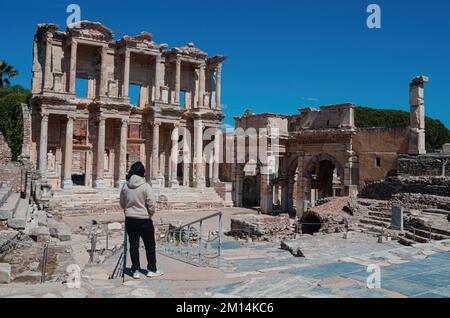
x=86, y=131
x=91, y=140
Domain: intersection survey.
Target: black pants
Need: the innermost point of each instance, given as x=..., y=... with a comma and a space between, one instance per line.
x=136, y=230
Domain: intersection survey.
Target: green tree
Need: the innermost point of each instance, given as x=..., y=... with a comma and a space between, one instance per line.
x=436, y=133
x=6, y=73
x=11, y=120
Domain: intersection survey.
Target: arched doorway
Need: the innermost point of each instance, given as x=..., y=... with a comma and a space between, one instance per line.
x=310, y=224
x=326, y=177
x=250, y=192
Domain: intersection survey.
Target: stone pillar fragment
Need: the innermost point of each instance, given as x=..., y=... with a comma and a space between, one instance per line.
x=201, y=85
x=158, y=77
x=126, y=75
x=100, y=180
x=219, y=87
x=417, y=115
x=266, y=193
x=48, y=79
x=200, y=181
x=68, y=154
x=43, y=142
x=177, y=80
x=155, y=154
x=217, y=152
x=103, y=71
x=174, y=158
x=73, y=67
x=123, y=153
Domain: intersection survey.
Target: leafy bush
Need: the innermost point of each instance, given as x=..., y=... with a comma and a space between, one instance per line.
x=11, y=121
x=436, y=133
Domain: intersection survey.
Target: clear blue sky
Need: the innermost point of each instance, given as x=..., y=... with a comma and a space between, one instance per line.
x=283, y=55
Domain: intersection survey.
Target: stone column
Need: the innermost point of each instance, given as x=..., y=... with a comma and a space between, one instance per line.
x=126, y=74
x=73, y=67
x=155, y=154
x=219, y=87
x=158, y=77
x=201, y=85
x=48, y=81
x=103, y=71
x=417, y=116
x=174, y=157
x=43, y=142
x=123, y=153
x=68, y=154
x=266, y=192
x=187, y=161
x=100, y=180
x=217, y=152
x=200, y=181
x=177, y=81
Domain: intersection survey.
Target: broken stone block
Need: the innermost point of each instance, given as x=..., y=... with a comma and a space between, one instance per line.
x=5, y=273
x=260, y=226
x=40, y=234
x=292, y=247
x=114, y=227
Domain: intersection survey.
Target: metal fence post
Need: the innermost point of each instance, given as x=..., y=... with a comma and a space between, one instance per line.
x=220, y=240
x=125, y=252
x=188, y=250
x=180, y=242
x=44, y=264
x=200, y=242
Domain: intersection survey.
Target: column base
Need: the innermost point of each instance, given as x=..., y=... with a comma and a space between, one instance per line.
x=200, y=183
x=67, y=185
x=120, y=183
x=174, y=184
x=100, y=184
x=155, y=183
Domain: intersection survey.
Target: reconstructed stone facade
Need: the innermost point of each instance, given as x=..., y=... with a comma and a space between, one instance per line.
x=92, y=140
x=323, y=154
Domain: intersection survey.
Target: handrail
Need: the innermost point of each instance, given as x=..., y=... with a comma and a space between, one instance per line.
x=186, y=230
x=197, y=221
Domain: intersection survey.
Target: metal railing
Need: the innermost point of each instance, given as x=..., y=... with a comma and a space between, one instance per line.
x=187, y=244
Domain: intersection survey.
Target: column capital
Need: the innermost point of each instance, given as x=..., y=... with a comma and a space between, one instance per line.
x=71, y=116
x=125, y=122
x=45, y=116
x=156, y=124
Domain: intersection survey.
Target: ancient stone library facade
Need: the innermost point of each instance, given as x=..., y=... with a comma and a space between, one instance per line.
x=85, y=131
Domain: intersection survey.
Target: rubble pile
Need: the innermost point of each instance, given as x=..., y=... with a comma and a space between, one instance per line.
x=261, y=227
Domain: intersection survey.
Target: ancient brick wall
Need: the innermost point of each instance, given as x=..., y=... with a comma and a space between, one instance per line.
x=378, y=150
x=425, y=165
x=387, y=189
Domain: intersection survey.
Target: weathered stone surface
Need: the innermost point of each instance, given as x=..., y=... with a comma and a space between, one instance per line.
x=115, y=227
x=5, y=273
x=260, y=226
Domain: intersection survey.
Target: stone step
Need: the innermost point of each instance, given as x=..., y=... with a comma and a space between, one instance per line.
x=381, y=219
x=4, y=195
x=381, y=214
x=369, y=228
x=19, y=218
x=375, y=222
x=426, y=234
x=405, y=241
x=8, y=208
x=416, y=238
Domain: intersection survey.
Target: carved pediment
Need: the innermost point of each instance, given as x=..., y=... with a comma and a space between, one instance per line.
x=47, y=27
x=190, y=50
x=91, y=30
x=142, y=40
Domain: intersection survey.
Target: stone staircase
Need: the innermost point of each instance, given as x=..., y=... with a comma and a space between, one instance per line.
x=13, y=209
x=91, y=201
x=378, y=219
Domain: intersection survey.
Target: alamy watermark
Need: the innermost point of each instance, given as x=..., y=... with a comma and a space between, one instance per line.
x=374, y=19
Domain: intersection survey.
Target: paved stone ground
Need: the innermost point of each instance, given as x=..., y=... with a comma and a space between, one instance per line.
x=332, y=267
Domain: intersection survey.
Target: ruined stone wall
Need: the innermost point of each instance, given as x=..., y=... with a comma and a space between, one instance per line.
x=378, y=150
x=424, y=165
x=387, y=189
x=5, y=151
